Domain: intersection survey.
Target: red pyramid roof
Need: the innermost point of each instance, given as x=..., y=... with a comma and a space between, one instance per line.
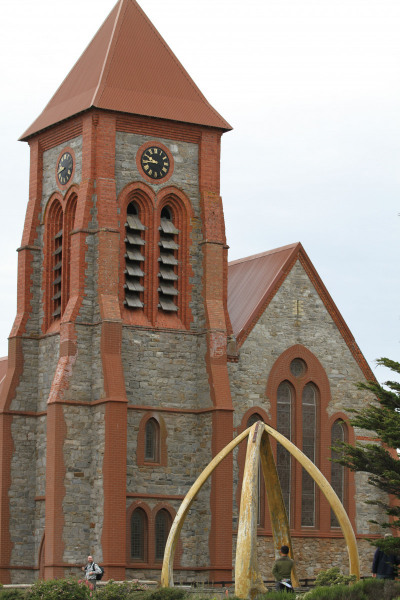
x=128, y=67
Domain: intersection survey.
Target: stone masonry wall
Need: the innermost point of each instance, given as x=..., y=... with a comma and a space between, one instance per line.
x=189, y=452
x=83, y=500
x=22, y=494
x=315, y=554
x=185, y=178
x=279, y=328
x=165, y=368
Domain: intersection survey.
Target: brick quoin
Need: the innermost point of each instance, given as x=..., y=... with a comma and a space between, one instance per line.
x=215, y=300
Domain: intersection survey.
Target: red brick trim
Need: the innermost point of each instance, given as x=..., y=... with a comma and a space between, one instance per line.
x=114, y=486
x=158, y=128
x=155, y=496
x=59, y=213
x=300, y=254
x=336, y=316
x=55, y=491
x=182, y=211
x=220, y=538
x=265, y=301
x=150, y=562
x=143, y=173
x=162, y=441
x=316, y=374
x=349, y=484
x=143, y=506
x=144, y=198
x=57, y=134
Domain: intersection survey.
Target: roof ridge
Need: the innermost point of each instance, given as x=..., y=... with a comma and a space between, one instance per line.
x=110, y=43
x=178, y=63
x=261, y=254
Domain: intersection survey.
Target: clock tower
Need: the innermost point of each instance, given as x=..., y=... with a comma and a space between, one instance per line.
x=117, y=392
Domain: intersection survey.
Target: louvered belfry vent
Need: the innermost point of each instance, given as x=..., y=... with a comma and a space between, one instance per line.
x=134, y=259
x=167, y=292
x=57, y=274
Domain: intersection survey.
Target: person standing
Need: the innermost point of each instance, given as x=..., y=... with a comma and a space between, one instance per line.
x=282, y=571
x=91, y=570
x=384, y=566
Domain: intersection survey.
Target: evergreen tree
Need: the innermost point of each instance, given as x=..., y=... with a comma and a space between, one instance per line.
x=379, y=460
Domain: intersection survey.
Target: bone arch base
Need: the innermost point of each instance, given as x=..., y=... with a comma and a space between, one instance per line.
x=248, y=581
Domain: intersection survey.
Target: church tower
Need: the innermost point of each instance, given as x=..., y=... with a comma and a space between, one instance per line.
x=117, y=391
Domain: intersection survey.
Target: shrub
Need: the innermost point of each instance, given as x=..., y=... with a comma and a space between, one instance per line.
x=333, y=577
x=58, y=589
x=167, y=594
x=16, y=594
x=275, y=595
x=131, y=590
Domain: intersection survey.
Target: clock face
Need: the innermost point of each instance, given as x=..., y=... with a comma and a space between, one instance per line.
x=155, y=162
x=64, y=169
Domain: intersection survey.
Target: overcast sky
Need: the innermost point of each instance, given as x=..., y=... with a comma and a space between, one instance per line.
x=312, y=90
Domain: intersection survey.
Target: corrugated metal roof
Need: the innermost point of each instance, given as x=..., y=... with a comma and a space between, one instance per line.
x=253, y=282
x=129, y=68
x=250, y=280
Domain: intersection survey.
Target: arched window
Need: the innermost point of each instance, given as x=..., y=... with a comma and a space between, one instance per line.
x=69, y=219
x=162, y=527
x=168, y=262
x=260, y=482
x=139, y=535
x=55, y=255
x=284, y=426
x=59, y=224
x=309, y=422
x=338, y=472
x=134, y=258
x=152, y=441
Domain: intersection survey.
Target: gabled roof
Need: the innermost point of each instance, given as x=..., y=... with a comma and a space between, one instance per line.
x=128, y=67
x=254, y=281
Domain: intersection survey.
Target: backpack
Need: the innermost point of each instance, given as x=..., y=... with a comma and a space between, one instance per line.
x=99, y=575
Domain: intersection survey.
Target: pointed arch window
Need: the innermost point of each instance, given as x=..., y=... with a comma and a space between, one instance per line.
x=338, y=472
x=309, y=424
x=56, y=237
x=134, y=258
x=260, y=481
x=168, y=262
x=59, y=225
x=152, y=441
x=284, y=426
x=162, y=526
x=139, y=529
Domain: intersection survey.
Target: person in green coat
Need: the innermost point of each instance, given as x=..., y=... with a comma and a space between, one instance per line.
x=282, y=571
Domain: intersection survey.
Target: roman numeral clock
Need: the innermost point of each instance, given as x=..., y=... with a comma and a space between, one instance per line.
x=155, y=162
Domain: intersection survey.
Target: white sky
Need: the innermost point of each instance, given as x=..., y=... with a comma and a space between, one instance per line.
x=312, y=89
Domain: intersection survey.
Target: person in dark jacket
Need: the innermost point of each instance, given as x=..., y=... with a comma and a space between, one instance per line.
x=384, y=566
x=282, y=571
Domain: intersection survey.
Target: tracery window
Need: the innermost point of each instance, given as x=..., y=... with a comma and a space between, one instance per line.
x=284, y=416
x=309, y=418
x=162, y=527
x=298, y=390
x=139, y=535
x=338, y=472
x=260, y=481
